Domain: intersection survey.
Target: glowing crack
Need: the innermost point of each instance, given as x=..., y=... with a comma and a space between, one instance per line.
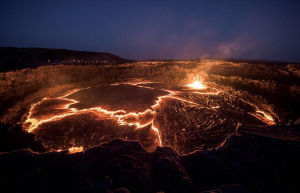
x=136, y=119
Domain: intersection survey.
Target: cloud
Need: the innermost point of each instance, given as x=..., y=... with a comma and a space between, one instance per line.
x=232, y=49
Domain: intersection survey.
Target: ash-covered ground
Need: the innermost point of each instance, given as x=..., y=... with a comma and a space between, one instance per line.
x=141, y=127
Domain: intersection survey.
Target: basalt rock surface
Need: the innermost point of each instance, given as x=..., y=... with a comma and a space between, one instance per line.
x=245, y=163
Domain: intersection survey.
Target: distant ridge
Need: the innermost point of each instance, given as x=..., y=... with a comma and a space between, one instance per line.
x=12, y=58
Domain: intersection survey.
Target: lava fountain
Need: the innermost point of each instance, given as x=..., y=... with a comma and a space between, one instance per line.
x=197, y=83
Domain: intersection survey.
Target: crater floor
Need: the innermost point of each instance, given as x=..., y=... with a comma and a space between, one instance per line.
x=153, y=113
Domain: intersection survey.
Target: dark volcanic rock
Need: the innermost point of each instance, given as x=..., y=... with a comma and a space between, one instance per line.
x=170, y=174
x=257, y=163
x=231, y=188
x=17, y=58
x=13, y=137
x=286, y=132
x=121, y=190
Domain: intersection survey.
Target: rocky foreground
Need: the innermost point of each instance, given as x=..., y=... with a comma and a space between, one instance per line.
x=245, y=163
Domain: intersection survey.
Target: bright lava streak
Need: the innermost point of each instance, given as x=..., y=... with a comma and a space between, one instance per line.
x=197, y=85
x=265, y=117
x=138, y=120
x=75, y=149
x=135, y=119
x=268, y=117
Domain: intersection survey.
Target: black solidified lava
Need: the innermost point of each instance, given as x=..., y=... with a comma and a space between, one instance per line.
x=245, y=163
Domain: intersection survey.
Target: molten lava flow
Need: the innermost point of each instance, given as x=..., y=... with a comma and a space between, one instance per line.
x=209, y=93
x=121, y=117
x=34, y=123
x=75, y=149
x=135, y=119
x=260, y=114
x=197, y=84
x=156, y=130
x=264, y=116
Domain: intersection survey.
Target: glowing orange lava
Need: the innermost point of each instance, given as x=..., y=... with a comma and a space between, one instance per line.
x=259, y=114
x=75, y=149
x=264, y=116
x=136, y=119
x=197, y=84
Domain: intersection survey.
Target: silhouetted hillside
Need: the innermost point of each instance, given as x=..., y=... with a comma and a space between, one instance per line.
x=18, y=58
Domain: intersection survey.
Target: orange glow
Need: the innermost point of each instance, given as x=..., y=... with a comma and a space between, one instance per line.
x=75, y=149
x=197, y=84
x=265, y=117
x=268, y=117
x=156, y=130
x=208, y=93
x=137, y=120
x=261, y=115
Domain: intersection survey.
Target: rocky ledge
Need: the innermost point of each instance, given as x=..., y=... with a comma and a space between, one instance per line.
x=245, y=163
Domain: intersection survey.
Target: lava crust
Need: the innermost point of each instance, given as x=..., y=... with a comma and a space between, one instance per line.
x=185, y=119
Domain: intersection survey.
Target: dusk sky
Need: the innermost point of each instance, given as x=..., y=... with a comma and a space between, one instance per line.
x=157, y=29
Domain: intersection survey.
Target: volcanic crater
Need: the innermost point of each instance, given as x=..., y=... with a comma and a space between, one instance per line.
x=149, y=126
